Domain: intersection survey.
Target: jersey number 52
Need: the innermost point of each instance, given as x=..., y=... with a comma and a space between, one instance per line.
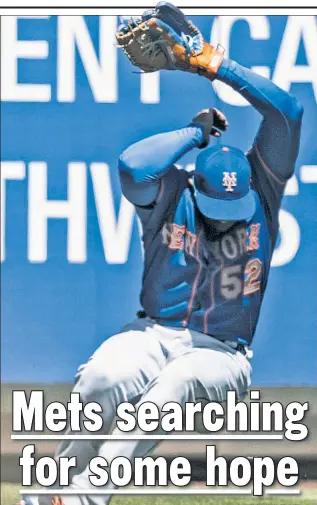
x=232, y=284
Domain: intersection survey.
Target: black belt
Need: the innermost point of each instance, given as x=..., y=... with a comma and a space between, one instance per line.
x=241, y=347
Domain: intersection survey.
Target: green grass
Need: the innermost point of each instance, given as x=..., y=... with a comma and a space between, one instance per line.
x=10, y=495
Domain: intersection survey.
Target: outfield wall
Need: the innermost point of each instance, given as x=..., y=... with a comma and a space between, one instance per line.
x=71, y=257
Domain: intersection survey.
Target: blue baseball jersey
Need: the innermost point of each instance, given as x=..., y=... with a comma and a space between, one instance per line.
x=194, y=276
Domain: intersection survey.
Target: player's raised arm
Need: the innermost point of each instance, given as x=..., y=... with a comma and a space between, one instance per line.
x=176, y=44
x=276, y=145
x=143, y=164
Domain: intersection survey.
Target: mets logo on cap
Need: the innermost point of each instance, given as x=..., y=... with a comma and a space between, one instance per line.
x=229, y=180
x=222, y=182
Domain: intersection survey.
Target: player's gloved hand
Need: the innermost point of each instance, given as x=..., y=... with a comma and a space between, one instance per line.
x=165, y=39
x=212, y=121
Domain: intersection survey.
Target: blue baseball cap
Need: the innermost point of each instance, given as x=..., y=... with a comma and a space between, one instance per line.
x=222, y=182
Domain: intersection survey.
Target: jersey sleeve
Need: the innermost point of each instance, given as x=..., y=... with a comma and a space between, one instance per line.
x=144, y=165
x=153, y=216
x=275, y=147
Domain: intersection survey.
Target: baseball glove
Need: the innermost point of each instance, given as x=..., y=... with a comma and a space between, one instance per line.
x=165, y=39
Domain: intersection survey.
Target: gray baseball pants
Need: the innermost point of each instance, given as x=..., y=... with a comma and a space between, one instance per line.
x=149, y=362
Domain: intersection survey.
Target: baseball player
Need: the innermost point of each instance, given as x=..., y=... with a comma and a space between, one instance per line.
x=208, y=239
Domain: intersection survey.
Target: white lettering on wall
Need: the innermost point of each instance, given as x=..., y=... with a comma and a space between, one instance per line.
x=10, y=170
x=150, y=87
x=286, y=70
x=101, y=66
x=290, y=239
x=102, y=73
x=12, y=50
x=74, y=209
x=115, y=227
x=115, y=233
x=221, y=33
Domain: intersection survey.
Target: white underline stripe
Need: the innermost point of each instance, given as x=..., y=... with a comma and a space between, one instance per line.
x=64, y=492
x=147, y=437
x=135, y=491
x=282, y=491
